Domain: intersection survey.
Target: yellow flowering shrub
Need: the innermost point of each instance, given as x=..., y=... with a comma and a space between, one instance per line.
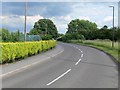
x=14, y=51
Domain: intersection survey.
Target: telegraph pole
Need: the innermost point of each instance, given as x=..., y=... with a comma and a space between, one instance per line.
x=25, y=20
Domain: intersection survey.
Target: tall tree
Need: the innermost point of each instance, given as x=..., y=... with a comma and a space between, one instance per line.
x=77, y=25
x=44, y=27
x=5, y=35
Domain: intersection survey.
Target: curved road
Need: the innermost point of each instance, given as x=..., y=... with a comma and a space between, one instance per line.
x=72, y=66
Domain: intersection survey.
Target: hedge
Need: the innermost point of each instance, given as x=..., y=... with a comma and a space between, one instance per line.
x=14, y=51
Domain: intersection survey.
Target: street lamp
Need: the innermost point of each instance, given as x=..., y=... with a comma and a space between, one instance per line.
x=25, y=20
x=112, y=6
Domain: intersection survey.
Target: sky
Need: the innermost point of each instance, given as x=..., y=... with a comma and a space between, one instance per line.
x=61, y=13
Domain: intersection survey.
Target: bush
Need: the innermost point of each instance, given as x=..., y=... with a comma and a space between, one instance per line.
x=47, y=37
x=14, y=51
x=72, y=36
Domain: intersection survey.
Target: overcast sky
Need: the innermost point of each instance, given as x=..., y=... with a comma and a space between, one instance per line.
x=61, y=13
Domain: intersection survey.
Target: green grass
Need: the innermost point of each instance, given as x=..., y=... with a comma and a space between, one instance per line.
x=104, y=45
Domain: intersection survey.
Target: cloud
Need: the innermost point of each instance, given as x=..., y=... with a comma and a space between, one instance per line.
x=61, y=1
x=66, y=18
x=84, y=18
x=61, y=13
x=17, y=22
x=108, y=18
x=43, y=8
x=32, y=19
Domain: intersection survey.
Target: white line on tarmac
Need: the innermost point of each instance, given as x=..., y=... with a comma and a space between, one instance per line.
x=77, y=62
x=58, y=77
x=82, y=55
x=2, y=75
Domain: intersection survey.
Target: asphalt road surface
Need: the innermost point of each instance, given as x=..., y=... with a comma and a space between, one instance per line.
x=66, y=66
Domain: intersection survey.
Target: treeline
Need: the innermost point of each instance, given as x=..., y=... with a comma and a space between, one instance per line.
x=43, y=29
x=100, y=34
x=86, y=30
x=7, y=36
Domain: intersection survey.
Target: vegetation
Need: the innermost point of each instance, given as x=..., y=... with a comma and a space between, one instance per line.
x=17, y=36
x=14, y=51
x=78, y=25
x=72, y=36
x=13, y=48
x=104, y=45
x=86, y=33
x=89, y=31
x=44, y=27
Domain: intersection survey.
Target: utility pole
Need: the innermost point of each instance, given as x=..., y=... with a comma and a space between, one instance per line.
x=25, y=20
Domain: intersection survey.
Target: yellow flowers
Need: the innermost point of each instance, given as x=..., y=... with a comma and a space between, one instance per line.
x=19, y=50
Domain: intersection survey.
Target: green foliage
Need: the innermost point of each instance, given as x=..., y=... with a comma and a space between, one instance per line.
x=14, y=51
x=47, y=37
x=104, y=45
x=10, y=36
x=77, y=25
x=44, y=27
x=72, y=36
x=5, y=35
x=89, y=30
x=103, y=33
x=16, y=36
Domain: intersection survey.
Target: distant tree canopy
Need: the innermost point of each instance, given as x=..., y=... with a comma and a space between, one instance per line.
x=84, y=29
x=10, y=36
x=44, y=27
x=77, y=25
x=17, y=36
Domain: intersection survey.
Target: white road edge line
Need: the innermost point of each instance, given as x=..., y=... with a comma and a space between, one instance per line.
x=77, y=62
x=25, y=66
x=58, y=77
x=57, y=54
x=82, y=55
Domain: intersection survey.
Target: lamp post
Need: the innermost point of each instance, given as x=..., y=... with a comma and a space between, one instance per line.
x=25, y=20
x=113, y=26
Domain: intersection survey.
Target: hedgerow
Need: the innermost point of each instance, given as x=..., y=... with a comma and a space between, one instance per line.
x=14, y=51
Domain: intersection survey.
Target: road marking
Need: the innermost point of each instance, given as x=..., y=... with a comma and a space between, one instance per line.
x=58, y=77
x=2, y=75
x=81, y=51
x=57, y=54
x=77, y=62
x=82, y=55
x=15, y=70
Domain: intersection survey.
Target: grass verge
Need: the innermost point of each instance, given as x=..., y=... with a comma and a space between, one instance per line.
x=101, y=46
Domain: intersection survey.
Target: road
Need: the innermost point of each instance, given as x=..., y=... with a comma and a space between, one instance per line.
x=71, y=66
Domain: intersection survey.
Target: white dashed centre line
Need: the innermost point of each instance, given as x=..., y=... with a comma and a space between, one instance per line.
x=59, y=77
x=82, y=55
x=77, y=62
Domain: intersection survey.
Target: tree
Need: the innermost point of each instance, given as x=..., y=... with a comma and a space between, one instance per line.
x=43, y=27
x=77, y=25
x=5, y=35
